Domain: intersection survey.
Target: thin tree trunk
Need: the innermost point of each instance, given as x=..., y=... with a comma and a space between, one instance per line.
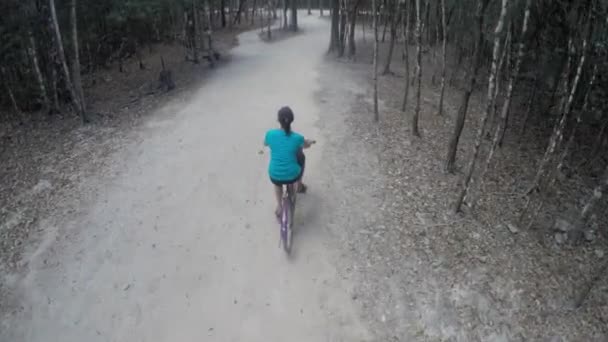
x=558, y=131
x=415, y=131
x=352, y=49
x=9, y=91
x=462, y=111
x=294, y=16
x=285, y=23
x=342, y=35
x=468, y=179
x=506, y=55
x=443, y=57
x=406, y=54
x=223, y=12
x=76, y=55
x=33, y=52
x=386, y=17
x=193, y=33
x=375, y=61
x=568, y=146
x=321, y=8
x=389, y=57
x=334, y=39
x=210, y=49
x=64, y=65
x=507, y=103
x=309, y=7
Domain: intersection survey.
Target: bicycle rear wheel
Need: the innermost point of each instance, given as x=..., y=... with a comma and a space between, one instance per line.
x=286, y=225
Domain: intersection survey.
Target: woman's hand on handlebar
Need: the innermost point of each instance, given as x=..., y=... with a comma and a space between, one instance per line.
x=309, y=142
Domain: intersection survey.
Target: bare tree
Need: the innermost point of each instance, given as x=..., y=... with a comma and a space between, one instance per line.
x=76, y=61
x=466, y=96
x=406, y=57
x=33, y=53
x=491, y=84
x=334, y=38
x=64, y=65
x=351, y=32
x=389, y=56
x=507, y=102
x=443, y=58
x=375, y=60
x=293, y=25
x=415, y=131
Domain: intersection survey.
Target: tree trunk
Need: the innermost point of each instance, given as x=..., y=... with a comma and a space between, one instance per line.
x=566, y=108
x=389, y=57
x=415, y=130
x=309, y=7
x=406, y=55
x=386, y=15
x=352, y=49
x=507, y=102
x=193, y=29
x=375, y=61
x=444, y=30
x=64, y=65
x=488, y=108
x=76, y=57
x=466, y=96
x=223, y=12
x=334, y=39
x=342, y=34
x=568, y=146
x=321, y=8
x=285, y=23
x=294, y=16
x=33, y=52
x=209, y=31
x=506, y=55
x=9, y=91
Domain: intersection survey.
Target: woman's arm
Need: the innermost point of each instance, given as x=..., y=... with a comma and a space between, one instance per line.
x=308, y=143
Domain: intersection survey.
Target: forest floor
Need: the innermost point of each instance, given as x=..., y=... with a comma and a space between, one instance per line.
x=431, y=275
x=140, y=207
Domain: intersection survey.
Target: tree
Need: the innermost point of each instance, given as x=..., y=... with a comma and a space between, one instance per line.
x=466, y=184
x=406, y=57
x=444, y=30
x=375, y=60
x=334, y=38
x=389, y=56
x=64, y=65
x=294, y=16
x=415, y=131
x=33, y=53
x=507, y=102
x=466, y=96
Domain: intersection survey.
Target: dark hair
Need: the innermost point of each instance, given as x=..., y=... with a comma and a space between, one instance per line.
x=285, y=116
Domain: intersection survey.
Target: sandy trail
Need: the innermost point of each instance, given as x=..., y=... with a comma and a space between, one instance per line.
x=182, y=245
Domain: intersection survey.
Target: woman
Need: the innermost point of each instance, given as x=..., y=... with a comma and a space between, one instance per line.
x=286, y=157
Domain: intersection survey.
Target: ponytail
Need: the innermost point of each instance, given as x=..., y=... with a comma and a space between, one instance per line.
x=285, y=119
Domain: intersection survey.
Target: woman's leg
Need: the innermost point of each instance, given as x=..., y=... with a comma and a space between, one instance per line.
x=300, y=186
x=278, y=192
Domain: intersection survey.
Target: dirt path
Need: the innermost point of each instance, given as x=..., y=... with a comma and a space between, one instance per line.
x=182, y=245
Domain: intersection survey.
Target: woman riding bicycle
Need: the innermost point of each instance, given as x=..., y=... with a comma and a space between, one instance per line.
x=287, y=159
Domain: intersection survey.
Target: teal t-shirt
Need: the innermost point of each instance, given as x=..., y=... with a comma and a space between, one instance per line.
x=283, y=148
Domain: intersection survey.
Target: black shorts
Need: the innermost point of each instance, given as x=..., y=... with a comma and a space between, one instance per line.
x=302, y=162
